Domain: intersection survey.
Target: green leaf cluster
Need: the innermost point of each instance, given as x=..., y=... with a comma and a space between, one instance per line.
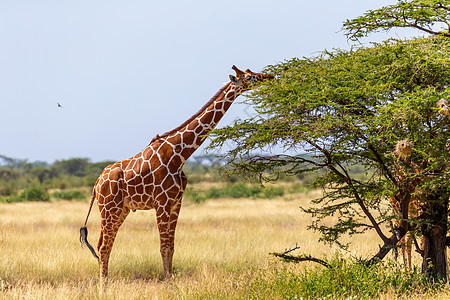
x=350, y=108
x=431, y=16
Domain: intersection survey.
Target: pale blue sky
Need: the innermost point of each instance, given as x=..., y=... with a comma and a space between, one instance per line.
x=126, y=70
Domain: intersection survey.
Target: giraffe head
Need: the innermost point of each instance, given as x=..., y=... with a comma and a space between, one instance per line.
x=244, y=79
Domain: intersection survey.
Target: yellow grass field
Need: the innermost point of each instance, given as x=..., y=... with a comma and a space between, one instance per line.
x=217, y=243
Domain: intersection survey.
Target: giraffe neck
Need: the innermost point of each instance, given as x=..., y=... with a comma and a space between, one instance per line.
x=191, y=135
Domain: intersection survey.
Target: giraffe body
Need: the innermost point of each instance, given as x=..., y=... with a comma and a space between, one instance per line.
x=153, y=179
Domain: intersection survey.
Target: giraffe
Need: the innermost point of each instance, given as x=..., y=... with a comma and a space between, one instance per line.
x=405, y=243
x=153, y=178
x=416, y=205
x=414, y=209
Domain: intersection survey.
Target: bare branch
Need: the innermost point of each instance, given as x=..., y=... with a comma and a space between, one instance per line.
x=380, y=161
x=291, y=249
x=302, y=258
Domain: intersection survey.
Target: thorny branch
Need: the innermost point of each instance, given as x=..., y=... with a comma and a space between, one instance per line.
x=300, y=257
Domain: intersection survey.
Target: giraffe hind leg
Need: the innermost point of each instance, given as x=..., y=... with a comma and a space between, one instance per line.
x=109, y=228
x=100, y=240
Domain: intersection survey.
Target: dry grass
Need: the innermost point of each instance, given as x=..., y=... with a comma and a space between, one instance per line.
x=217, y=243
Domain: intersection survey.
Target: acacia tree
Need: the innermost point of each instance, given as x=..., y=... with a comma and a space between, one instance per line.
x=430, y=16
x=347, y=108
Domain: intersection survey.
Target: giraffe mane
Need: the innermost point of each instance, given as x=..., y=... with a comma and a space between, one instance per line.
x=207, y=104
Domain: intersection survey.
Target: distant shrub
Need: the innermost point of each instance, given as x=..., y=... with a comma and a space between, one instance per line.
x=69, y=195
x=237, y=190
x=10, y=199
x=270, y=192
x=214, y=193
x=34, y=193
x=299, y=188
x=196, y=178
x=7, y=190
x=241, y=190
x=62, y=185
x=194, y=196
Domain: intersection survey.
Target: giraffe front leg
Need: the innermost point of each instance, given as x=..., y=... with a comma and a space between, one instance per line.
x=167, y=222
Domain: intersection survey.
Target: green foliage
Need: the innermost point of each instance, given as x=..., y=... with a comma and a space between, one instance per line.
x=237, y=190
x=424, y=15
x=347, y=279
x=194, y=195
x=73, y=166
x=69, y=195
x=240, y=190
x=33, y=193
x=347, y=109
x=270, y=192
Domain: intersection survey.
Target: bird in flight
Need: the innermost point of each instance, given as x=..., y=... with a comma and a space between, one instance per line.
x=59, y=105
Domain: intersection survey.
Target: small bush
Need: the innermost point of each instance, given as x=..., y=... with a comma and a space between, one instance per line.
x=194, y=196
x=348, y=279
x=298, y=188
x=240, y=190
x=34, y=193
x=237, y=190
x=10, y=199
x=214, y=193
x=69, y=195
x=270, y=192
x=7, y=190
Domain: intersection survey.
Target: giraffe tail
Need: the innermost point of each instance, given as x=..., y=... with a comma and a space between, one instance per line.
x=84, y=231
x=83, y=240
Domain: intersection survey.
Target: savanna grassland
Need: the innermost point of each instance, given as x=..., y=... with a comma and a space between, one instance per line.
x=222, y=251
x=217, y=243
x=225, y=234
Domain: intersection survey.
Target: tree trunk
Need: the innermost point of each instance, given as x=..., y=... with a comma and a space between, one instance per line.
x=435, y=232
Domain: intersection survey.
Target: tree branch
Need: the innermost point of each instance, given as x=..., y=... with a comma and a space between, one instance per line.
x=414, y=25
x=381, y=163
x=348, y=181
x=384, y=250
x=300, y=257
x=393, y=240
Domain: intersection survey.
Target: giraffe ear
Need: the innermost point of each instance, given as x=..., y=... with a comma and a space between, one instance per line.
x=233, y=79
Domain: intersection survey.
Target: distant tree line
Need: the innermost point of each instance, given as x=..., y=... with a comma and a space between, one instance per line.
x=19, y=174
